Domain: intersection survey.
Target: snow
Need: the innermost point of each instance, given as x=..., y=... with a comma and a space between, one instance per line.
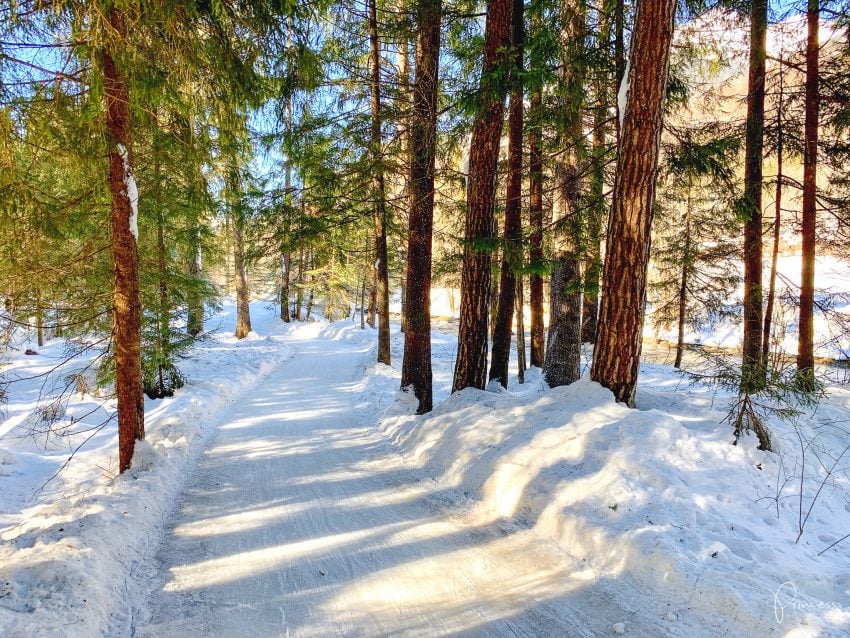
x=132, y=190
x=318, y=504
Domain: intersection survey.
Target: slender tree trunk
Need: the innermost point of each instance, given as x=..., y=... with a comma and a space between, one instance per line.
x=403, y=131
x=752, y=368
x=243, y=312
x=619, y=59
x=777, y=226
x=195, y=303
x=520, y=331
x=471, y=364
x=512, y=251
x=616, y=357
x=379, y=193
x=563, y=348
x=805, y=350
x=299, y=290
x=535, y=214
x=362, y=302
x=416, y=365
x=39, y=317
x=162, y=266
x=683, y=285
x=127, y=309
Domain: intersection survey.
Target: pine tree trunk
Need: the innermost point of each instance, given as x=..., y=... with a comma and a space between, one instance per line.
x=520, y=330
x=299, y=291
x=164, y=313
x=416, y=365
x=471, y=364
x=243, y=312
x=535, y=215
x=563, y=349
x=39, y=317
x=616, y=357
x=512, y=251
x=403, y=132
x=777, y=227
x=805, y=350
x=752, y=368
x=127, y=310
x=683, y=285
x=379, y=194
x=195, y=303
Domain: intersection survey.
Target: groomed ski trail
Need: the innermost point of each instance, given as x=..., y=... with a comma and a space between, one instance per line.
x=302, y=521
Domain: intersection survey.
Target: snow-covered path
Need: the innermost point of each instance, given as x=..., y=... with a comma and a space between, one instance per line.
x=301, y=520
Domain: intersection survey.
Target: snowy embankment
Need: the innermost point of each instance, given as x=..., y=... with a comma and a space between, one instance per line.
x=658, y=494
x=66, y=550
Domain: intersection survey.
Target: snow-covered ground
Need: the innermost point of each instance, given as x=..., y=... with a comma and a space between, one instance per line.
x=321, y=506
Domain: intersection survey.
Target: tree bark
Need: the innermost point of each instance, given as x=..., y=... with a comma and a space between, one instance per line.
x=535, y=215
x=752, y=367
x=471, y=364
x=616, y=357
x=285, y=262
x=805, y=349
x=299, y=286
x=243, y=312
x=512, y=251
x=521, y=363
x=127, y=310
x=379, y=193
x=403, y=132
x=563, y=349
x=416, y=370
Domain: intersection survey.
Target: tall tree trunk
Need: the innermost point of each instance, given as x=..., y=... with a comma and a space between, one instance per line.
x=379, y=193
x=299, y=289
x=535, y=217
x=285, y=263
x=195, y=302
x=752, y=368
x=471, y=364
x=127, y=309
x=805, y=349
x=683, y=285
x=403, y=132
x=777, y=225
x=520, y=330
x=563, y=348
x=416, y=365
x=243, y=312
x=512, y=251
x=616, y=357
x=619, y=59
x=39, y=317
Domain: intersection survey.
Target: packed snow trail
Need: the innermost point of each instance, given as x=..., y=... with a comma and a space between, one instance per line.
x=301, y=520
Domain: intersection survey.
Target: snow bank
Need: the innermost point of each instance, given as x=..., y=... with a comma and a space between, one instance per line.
x=658, y=496
x=65, y=561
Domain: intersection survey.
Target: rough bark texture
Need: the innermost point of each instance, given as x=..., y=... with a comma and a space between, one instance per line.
x=563, y=348
x=752, y=369
x=127, y=310
x=379, y=216
x=285, y=263
x=521, y=363
x=618, y=344
x=805, y=348
x=403, y=133
x=471, y=364
x=416, y=365
x=512, y=253
x=535, y=218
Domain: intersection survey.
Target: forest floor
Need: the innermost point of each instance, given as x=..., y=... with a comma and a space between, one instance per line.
x=290, y=491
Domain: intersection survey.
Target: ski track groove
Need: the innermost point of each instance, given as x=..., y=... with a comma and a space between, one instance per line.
x=300, y=520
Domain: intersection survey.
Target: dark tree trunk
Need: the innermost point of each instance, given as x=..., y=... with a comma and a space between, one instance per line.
x=752, y=368
x=616, y=357
x=195, y=303
x=535, y=215
x=471, y=364
x=39, y=317
x=593, y=260
x=522, y=365
x=512, y=252
x=403, y=132
x=563, y=348
x=299, y=288
x=416, y=365
x=382, y=300
x=127, y=310
x=805, y=349
x=777, y=226
x=619, y=59
x=683, y=285
x=243, y=312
